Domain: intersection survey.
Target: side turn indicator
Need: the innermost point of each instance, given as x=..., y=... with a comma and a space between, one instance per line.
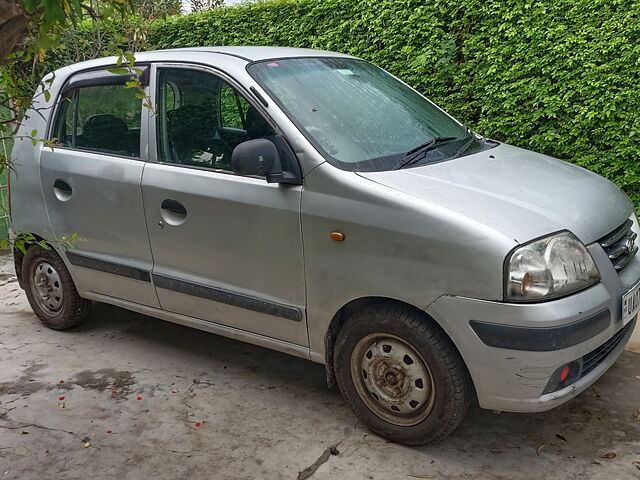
x=336, y=236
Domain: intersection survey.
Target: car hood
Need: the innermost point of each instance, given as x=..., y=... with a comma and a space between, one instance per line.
x=519, y=193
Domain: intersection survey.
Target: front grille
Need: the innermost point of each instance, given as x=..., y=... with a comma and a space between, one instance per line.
x=620, y=245
x=592, y=359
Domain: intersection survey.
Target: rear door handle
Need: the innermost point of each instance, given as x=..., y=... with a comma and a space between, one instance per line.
x=62, y=189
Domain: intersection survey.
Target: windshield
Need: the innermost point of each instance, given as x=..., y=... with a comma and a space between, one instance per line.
x=359, y=116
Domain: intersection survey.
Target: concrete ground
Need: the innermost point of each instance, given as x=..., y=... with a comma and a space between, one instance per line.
x=146, y=399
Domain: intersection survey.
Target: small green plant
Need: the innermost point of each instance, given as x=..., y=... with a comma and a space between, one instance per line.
x=25, y=240
x=22, y=242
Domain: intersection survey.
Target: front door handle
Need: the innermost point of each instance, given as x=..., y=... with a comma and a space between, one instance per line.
x=173, y=206
x=173, y=212
x=62, y=189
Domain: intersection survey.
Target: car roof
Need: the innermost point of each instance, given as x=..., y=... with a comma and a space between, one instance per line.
x=255, y=53
x=242, y=55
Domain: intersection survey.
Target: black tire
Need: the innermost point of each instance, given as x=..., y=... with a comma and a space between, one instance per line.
x=434, y=359
x=63, y=308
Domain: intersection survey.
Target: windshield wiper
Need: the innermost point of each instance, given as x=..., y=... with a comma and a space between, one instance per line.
x=415, y=154
x=465, y=147
x=430, y=143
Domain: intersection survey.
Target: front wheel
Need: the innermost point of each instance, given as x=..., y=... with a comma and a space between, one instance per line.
x=51, y=291
x=402, y=376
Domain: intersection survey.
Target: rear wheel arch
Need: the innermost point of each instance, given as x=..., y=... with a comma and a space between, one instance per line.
x=30, y=240
x=49, y=287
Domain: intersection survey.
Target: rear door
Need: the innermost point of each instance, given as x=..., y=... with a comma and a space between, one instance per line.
x=91, y=185
x=226, y=248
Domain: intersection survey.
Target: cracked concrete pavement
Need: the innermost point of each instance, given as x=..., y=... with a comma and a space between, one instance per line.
x=180, y=403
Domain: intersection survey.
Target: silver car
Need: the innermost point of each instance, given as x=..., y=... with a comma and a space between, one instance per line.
x=310, y=202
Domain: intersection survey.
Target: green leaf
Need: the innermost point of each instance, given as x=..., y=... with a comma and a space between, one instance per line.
x=19, y=244
x=118, y=71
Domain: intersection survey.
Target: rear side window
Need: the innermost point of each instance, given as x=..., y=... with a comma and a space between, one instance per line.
x=102, y=118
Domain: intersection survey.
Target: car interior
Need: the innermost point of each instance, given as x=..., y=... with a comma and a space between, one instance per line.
x=204, y=120
x=200, y=121
x=107, y=133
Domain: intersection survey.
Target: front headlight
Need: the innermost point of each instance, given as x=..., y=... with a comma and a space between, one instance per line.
x=548, y=268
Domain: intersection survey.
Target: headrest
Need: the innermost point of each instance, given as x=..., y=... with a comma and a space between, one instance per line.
x=104, y=124
x=191, y=122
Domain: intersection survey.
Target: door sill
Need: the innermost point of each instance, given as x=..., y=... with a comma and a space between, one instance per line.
x=204, y=325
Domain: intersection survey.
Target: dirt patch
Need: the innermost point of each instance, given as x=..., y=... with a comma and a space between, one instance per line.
x=25, y=384
x=106, y=379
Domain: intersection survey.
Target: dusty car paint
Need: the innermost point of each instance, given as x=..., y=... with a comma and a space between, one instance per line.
x=434, y=237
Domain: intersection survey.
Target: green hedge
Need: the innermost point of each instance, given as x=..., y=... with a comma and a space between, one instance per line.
x=560, y=77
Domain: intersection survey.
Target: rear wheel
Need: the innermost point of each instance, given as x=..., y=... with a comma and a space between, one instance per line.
x=402, y=376
x=51, y=291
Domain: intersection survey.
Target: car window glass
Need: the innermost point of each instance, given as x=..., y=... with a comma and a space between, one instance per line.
x=358, y=115
x=205, y=121
x=63, y=129
x=170, y=98
x=233, y=108
x=106, y=119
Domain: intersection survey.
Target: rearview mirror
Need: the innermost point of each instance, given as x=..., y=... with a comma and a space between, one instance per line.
x=256, y=157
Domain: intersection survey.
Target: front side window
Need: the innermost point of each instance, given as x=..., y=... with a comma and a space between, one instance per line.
x=359, y=116
x=101, y=118
x=201, y=119
x=233, y=108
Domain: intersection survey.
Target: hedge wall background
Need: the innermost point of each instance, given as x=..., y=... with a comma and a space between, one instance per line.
x=560, y=77
x=557, y=76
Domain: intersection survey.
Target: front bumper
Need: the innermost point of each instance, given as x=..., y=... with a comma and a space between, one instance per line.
x=515, y=349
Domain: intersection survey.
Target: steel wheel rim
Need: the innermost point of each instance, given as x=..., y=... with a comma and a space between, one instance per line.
x=392, y=379
x=46, y=287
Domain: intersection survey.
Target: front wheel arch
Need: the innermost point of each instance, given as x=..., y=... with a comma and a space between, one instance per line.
x=342, y=315
x=381, y=389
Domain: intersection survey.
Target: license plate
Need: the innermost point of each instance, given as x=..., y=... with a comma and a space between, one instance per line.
x=630, y=304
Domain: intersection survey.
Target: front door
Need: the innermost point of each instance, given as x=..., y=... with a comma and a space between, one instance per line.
x=226, y=248
x=91, y=185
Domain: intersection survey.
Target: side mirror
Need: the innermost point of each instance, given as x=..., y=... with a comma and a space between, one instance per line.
x=256, y=157
x=272, y=159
